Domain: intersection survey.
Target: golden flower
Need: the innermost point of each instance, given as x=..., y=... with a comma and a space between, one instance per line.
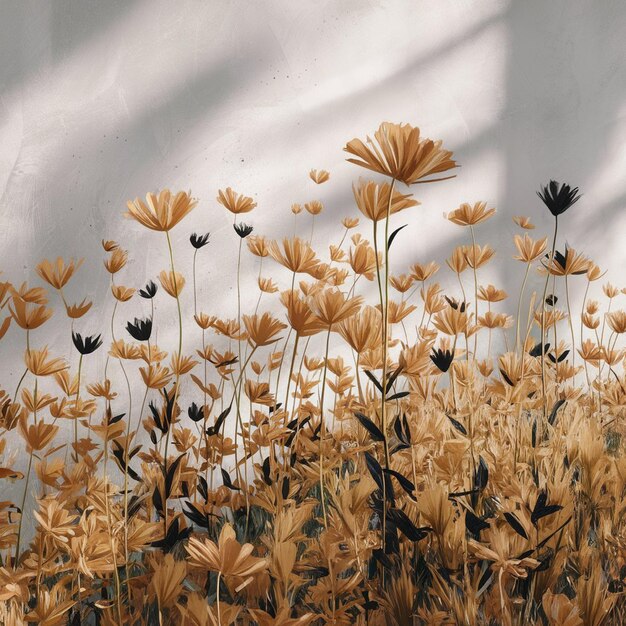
x=166, y=580
x=423, y=272
x=182, y=365
x=373, y=200
x=74, y=311
x=5, y=326
x=116, y=261
x=523, y=222
x=350, y=222
x=296, y=209
x=259, y=393
x=617, y=321
x=262, y=330
x=34, y=295
x=28, y=316
x=37, y=436
x=610, y=291
x=235, y=202
x=398, y=312
x=401, y=283
x=155, y=376
x=495, y=320
x=102, y=390
x=297, y=255
x=51, y=606
x=398, y=152
x=121, y=350
x=458, y=260
x=172, y=282
x=314, y=207
x=567, y=264
x=362, y=332
x=38, y=363
x=204, y=321
x=257, y=244
x=232, y=560
x=331, y=306
x=491, y=294
x=529, y=249
x=560, y=610
x=58, y=274
x=299, y=314
x=121, y=293
x=590, y=321
x=363, y=260
x=55, y=521
x=319, y=176
x=470, y=214
x=267, y=285
x=451, y=321
x=594, y=272
x=477, y=256
x=109, y=245
x=161, y=212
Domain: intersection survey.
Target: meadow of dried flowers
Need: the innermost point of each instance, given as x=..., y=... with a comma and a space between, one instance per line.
x=332, y=460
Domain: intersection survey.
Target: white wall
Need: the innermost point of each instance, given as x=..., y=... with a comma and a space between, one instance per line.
x=104, y=101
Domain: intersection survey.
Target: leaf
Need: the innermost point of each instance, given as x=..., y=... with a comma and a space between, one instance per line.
x=481, y=476
x=557, y=405
x=171, y=472
x=406, y=526
x=400, y=394
x=392, y=379
x=393, y=235
x=457, y=425
x=374, y=380
x=227, y=481
x=374, y=469
x=405, y=483
x=370, y=427
x=516, y=525
x=475, y=524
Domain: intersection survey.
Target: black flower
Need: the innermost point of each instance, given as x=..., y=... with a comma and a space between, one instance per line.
x=140, y=329
x=86, y=345
x=243, y=230
x=195, y=412
x=558, y=197
x=149, y=291
x=199, y=241
x=442, y=359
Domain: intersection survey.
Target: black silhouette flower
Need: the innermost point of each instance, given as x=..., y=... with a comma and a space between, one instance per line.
x=86, y=345
x=442, y=358
x=195, y=412
x=149, y=291
x=199, y=241
x=558, y=197
x=141, y=329
x=243, y=230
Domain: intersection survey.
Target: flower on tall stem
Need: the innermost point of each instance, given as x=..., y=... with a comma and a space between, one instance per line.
x=161, y=211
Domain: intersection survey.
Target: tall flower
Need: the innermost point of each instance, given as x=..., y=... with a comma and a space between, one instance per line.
x=161, y=211
x=399, y=152
x=558, y=197
x=373, y=200
x=234, y=202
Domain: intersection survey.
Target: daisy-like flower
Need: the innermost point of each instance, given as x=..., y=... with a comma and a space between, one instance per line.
x=470, y=214
x=262, y=330
x=38, y=363
x=315, y=207
x=172, y=282
x=116, y=261
x=398, y=151
x=319, y=176
x=59, y=273
x=76, y=311
x=234, y=202
x=232, y=560
x=161, y=211
x=529, y=249
x=373, y=200
x=29, y=316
